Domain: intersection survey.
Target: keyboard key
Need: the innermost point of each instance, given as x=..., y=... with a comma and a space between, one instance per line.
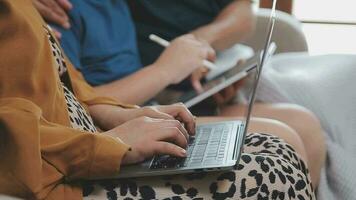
x=211, y=162
x=207, y=147
x=166, y=161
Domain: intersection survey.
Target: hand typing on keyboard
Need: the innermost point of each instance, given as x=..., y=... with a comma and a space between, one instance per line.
x=207, y=148
x=166, y=161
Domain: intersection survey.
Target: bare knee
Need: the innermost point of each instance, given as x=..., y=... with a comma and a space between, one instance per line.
x=306, y=124
x=295, y=115
x=303, y=121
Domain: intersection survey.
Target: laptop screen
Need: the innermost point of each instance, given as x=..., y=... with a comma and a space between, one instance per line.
x=269, y=49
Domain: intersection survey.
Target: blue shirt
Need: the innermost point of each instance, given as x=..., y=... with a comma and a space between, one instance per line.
x=102, y=40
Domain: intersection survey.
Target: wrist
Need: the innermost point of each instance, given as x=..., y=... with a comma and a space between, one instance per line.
x=106, y=116
x=204, y=34
x=161, y=73
x=126, y=159
x=119, y=116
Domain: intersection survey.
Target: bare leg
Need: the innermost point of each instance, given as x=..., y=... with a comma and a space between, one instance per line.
x=302, y=121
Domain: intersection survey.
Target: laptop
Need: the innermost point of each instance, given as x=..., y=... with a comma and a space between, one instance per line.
x=216, y=146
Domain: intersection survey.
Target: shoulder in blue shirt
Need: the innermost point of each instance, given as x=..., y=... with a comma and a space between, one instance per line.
x=102, y=40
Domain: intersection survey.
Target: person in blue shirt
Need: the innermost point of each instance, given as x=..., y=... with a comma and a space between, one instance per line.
x=111, y=52
x=101, y=43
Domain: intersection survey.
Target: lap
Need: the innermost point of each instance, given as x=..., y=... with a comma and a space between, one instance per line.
x=269, y=168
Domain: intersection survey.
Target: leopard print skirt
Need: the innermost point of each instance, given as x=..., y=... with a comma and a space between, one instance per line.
x=269, y=169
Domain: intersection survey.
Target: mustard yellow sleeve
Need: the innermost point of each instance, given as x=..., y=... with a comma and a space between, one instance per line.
x=35, y=152
x=38, y=148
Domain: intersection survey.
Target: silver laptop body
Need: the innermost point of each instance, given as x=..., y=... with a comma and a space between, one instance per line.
x=216, y=146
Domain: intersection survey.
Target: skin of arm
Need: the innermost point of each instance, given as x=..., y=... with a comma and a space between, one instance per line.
x=138, y=87
x=108, y=116
x=184, y=55
x=234, y=24
x=147, y=130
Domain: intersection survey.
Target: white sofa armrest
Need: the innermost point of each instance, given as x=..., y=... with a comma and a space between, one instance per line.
x=288, y=34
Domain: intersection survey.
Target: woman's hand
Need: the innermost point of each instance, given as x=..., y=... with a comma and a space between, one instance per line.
x=109, y=117
x=54, y=11
x=196, y=77
x=228, y=94
x=181, y=113
x=170, y=112
x=184, y=55
x=201, y=72
x=148, y=137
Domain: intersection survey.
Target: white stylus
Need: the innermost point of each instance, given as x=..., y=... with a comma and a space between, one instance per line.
x=165, y=43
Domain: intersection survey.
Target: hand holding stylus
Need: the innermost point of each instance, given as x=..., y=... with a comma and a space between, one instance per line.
x=165, y=43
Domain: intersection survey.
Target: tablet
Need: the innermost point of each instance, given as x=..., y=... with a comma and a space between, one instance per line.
x=210, y=87
x=228, y=58
x=236, y=73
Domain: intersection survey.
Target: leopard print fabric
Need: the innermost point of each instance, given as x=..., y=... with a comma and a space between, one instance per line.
x=268, y=169
x=78, y=116
x=61, y=66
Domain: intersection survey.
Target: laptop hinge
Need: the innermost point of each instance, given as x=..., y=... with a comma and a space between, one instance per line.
x=238, y=134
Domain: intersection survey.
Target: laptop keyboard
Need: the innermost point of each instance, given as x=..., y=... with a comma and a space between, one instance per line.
x=206, y=149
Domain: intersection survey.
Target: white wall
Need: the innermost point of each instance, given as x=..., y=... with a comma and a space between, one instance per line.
x=329, y=10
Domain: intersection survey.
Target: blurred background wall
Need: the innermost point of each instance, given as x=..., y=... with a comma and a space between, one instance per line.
x=329, y=25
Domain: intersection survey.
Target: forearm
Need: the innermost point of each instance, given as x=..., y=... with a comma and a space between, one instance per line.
x=136, y=88
x=234, y=24
x=106, y=117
